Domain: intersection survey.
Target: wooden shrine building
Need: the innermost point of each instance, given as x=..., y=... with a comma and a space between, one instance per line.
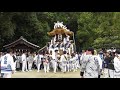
x=21, y=45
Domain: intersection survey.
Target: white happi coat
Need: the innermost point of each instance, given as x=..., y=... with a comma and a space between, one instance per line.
x=117, y=67
x=54, y=61
x=39, y=58
x=90, y=66
x=24, y=62
x=67, y=38
x=7, y=64
x=30, y=59
x=77, y=61
x=24, y=58
x=99, y=60
x=82, y=57
x=64, y=40
x=54, y=55
x=63, y=60
x=50, y=47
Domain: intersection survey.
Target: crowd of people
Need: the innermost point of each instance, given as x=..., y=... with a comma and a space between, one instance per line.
x=27, y=61
x=106, y=63
x=90, y=63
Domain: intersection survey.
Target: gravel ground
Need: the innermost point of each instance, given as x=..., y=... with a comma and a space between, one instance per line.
x=41, y=74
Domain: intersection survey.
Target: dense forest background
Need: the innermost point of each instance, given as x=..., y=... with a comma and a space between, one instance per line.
x=96, y=29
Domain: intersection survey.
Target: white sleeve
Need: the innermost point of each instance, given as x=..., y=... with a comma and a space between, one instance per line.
x=61, y=59
x=12, y=63
x=117, y=64
x=35, y=58
x=81, y=57
x=41, y=56
x=100, y=62
x=22, y=57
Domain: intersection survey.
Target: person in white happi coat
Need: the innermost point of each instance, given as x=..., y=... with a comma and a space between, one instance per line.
x=24, y=62
x=68, y=48
x=100, y=64
x=68, y=62
x=63, y=61
x=90, y=67
x=64, y=40
x=14, y=59
x=67, y=38
x=50, y=60
x=74, y=62
x=71, y=63
x=56, y=46
x=46, y=63
x=1, y=55
x=0, y=62
x=117, y=64
x=38, y=58
x=51, y=46
x=61, y=46
x=19, y=61
x=30, y=61
x=55, y=59
x=7, y=65
x=82, y=56
x=77, y=60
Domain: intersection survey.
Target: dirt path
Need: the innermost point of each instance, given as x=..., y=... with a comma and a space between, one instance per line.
x=41, y=74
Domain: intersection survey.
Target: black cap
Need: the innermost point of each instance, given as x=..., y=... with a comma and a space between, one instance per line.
x=91, y=49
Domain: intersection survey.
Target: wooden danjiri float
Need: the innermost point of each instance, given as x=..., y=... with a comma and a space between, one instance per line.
x=62, y=39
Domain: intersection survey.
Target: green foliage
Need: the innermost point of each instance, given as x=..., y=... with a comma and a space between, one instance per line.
x=96, y=29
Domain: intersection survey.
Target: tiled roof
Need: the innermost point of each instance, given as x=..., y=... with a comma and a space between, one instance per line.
x=21, y=39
